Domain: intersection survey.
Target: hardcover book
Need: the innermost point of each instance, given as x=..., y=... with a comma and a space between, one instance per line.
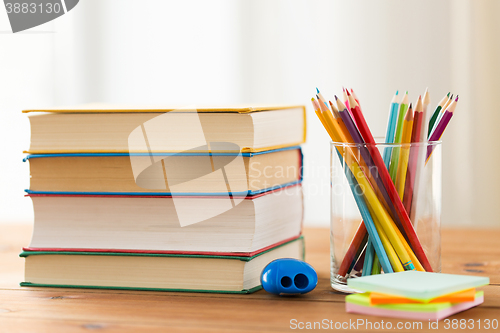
x=96, y=130
x=148, y=271
x=167, y=224
x=165, y=173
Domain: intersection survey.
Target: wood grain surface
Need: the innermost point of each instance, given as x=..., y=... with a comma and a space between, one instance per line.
x=465, y=251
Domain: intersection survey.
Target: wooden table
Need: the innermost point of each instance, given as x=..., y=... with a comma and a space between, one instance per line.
x=24, y=309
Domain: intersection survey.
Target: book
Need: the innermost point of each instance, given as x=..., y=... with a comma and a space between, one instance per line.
x=166, y=224
x=360, y=303
x=242, y=129
x=116, y=173
x=422, y=286
x=226, y=274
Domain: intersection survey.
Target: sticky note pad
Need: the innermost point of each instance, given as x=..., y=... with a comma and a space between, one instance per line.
x=360, y=303
x=467, y=295
x=417, y=285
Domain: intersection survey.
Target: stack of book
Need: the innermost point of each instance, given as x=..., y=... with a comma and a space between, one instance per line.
x=164, y=199
x=415, y=295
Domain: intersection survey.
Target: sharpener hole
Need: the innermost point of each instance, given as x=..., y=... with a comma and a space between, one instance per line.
x=286, y=281
x=301, y=281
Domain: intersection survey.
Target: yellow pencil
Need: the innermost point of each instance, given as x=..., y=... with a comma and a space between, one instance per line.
x=322, y=119
x=404, y=152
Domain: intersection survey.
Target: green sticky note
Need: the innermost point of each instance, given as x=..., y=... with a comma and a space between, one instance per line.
x=417, y=285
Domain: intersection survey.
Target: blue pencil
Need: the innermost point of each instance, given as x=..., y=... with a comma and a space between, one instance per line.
x=369, y=256
x=391, y=129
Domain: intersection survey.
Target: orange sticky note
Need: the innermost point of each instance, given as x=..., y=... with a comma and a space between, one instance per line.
x=467, y=295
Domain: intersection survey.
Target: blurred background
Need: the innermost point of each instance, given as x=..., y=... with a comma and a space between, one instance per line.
x=189, y=52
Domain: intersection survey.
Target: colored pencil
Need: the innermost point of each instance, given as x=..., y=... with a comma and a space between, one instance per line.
x=445, y=106
x=325, y=114
x=376, y=266
x=391, y=252
x=338, y=136
x=418, y=122
x=358, y=266
x=380, y=213
x=402, y=216
x=389, y=138
x=438, y=131
x=391, y=129
x=360, y=237
x=377, y=201
x=435, y=115
x=404, y=152
x=448, y=102
x=369, y=258
x=418, y=179
x=426, y=101
x=403, y=107
x=346, y=101
x=320, y=97
x=355, y=97
x=334, y=109
x=349, y=127
x=357, y=243
x=365, y=154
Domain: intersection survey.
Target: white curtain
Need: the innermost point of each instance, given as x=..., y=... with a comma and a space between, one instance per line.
x=269, y=51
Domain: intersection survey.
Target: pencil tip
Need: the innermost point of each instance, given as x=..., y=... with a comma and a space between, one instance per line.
x=347, y=91
x=456, y=100
x=397, y=92
x=336, y=98
x=409, y=107
x=407, y=92
x=352, y=90
x=317, y=90
x=448, y=94
x=419, y=97
x=312, y=99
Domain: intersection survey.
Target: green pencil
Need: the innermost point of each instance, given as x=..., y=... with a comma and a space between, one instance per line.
x=403, y=107
x=436, y=114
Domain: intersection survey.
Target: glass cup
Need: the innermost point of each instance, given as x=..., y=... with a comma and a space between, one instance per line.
x=416, y=172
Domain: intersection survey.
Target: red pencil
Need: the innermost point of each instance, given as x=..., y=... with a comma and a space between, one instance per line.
x=413, y=159
x=402, y=216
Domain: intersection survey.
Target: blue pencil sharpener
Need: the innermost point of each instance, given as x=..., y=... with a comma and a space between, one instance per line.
x=288, y=276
